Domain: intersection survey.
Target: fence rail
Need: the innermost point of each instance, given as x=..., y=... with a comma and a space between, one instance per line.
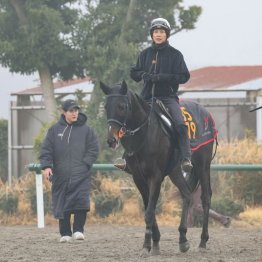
x=34, y=167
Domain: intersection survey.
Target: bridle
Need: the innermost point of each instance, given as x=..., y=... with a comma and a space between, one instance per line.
x=124, y=130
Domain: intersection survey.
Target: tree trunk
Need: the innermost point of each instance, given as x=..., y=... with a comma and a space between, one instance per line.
x=129, y=16
x=48, y=92
x=44, y=72
x=18, y=5
x=130, y=11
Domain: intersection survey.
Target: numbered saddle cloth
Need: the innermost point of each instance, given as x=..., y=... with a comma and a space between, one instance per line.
x=200, y=124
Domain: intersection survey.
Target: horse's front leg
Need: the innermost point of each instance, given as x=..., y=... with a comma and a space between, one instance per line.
x=183, y=242
x=152, y=232
x=156, y=239
x=178, y=179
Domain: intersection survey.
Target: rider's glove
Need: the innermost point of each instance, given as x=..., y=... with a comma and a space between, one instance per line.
x=157, y=78
x=147, y=77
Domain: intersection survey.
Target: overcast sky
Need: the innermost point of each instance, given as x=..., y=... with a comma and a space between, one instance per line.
x=229, y=32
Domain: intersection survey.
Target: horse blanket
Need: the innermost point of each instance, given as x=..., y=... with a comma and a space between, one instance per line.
x=200, y=124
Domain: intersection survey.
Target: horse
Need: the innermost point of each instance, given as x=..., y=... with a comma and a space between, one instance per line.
x=133, y=123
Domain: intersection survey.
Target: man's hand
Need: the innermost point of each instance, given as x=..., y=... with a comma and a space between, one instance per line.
x=48, y=173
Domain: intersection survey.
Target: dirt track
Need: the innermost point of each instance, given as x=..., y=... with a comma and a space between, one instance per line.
x=124, y=243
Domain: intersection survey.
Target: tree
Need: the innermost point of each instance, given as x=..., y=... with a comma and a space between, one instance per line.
x=113, y=32
x=38, y=36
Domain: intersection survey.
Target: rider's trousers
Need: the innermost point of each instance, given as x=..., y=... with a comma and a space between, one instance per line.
x=173, y=106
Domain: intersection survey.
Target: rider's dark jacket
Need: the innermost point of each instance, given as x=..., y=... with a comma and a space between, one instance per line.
x=165, y=60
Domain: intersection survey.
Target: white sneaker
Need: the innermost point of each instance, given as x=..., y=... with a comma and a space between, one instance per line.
x=78, y=236
x=65, y=239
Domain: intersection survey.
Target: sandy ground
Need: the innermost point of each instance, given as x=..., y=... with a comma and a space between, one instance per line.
x=124, y=243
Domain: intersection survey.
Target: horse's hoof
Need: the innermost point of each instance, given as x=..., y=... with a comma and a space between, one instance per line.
x=184, y=246
x=145, y=253
x=155, y=249
x=202, y=245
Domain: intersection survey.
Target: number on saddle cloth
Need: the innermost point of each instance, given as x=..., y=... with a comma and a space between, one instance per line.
x=199, y=122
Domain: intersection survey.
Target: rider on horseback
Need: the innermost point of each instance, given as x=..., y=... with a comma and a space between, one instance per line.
x=162, y=69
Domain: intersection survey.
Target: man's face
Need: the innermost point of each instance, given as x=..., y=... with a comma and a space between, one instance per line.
x=159, y=36
x=71, y=115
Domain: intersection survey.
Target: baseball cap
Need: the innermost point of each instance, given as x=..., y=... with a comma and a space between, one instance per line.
x=69, y=104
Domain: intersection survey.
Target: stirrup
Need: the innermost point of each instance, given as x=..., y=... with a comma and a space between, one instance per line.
x=120, y=163
x=186, y=166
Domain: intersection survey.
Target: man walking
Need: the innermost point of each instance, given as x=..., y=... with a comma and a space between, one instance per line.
x=68, y=152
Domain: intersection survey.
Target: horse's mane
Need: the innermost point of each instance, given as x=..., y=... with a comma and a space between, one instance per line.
x=139, y=99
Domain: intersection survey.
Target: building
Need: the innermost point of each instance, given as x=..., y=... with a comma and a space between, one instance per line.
x=227, y=92
x=27, y=116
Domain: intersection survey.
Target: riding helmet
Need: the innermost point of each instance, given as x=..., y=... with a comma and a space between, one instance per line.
x=160, y=23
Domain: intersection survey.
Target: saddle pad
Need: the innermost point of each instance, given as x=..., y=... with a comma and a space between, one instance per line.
x=200, y=124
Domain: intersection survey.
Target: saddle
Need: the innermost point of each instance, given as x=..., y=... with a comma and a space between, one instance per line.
x=164, y=116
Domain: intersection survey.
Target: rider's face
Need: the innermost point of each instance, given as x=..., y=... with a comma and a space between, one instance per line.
x=159, y=36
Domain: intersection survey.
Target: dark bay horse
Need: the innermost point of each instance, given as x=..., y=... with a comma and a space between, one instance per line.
x=132, y=122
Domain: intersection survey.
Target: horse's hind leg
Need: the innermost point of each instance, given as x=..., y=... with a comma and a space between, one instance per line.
x=206, y=201
x=203, y=161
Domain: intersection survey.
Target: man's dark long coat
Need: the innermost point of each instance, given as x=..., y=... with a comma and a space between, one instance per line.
x=70, y=150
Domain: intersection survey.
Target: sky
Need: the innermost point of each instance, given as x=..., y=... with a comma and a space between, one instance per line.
x=228, y=32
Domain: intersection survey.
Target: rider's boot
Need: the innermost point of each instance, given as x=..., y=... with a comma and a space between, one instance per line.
x=184, y=147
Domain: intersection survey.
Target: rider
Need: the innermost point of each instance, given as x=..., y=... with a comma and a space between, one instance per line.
x=162, y=69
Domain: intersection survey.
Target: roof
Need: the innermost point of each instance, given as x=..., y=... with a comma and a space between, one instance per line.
x=204, y=79
x=61, y=87
x=224, y=78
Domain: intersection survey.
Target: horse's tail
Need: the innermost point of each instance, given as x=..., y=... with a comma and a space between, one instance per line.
x=215, y=149
x=192, y=179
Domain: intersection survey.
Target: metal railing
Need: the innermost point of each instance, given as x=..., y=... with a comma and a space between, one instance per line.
x=218, y=167
x=34, y=167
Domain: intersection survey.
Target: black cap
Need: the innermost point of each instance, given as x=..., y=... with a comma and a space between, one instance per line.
x=70, y=104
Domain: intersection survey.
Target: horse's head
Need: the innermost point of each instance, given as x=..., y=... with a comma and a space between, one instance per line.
x=117, y=109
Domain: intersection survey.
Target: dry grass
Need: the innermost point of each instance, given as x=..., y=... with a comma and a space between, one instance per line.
x=245, y=152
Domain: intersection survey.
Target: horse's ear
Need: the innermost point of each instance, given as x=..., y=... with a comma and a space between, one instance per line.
x=123, y=89
x=106, y=89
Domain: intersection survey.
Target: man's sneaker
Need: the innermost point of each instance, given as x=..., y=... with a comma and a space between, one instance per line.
x=65, y=239
x=78, y=236
x=186, y=166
